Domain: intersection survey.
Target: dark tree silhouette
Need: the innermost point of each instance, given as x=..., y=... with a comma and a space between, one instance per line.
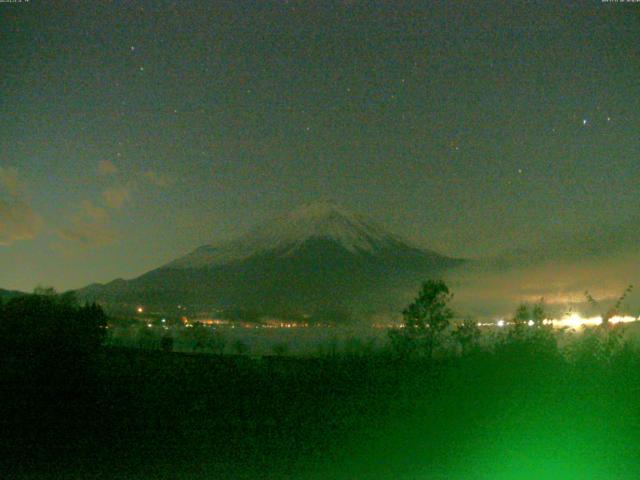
x=45, y=322
x=521, y=315
x=217, y=342
x=538, y=314
x=240, y=347
x=467, y=334
x=280, y=349
x=166, y=343
x=615, y=308
x=427, y=317
x=529, y=338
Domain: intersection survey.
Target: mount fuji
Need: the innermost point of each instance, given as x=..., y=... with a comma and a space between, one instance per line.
x=319, y=260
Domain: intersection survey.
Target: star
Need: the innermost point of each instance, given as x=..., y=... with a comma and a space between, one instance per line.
x=584, y=121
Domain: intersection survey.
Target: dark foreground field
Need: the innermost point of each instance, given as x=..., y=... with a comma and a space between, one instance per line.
x=128, y=414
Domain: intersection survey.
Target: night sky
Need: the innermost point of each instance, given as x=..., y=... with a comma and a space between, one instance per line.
x=132, y=134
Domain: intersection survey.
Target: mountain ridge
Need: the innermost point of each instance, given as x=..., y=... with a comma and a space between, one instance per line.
x=9, y=294
x=287, y=232
x=316, y=258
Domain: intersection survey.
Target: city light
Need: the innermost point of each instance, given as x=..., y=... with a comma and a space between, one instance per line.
x=573, y=321
x=576, y=321
x=622, y=319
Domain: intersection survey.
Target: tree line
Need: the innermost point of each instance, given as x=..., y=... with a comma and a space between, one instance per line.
x=46, y=322
x=427, y=330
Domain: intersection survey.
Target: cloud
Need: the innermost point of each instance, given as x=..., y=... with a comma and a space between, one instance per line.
x=89, y=234
x=90, y=228
x=487, y=292
x=105, y=167
x=589, y=243
x=115, y=197
x=18, y=221
x=93, y=212
x=9, y=180
x=157, y=179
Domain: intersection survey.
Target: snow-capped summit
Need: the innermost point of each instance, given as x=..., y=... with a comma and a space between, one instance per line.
x=288, y=232
x=324, y=220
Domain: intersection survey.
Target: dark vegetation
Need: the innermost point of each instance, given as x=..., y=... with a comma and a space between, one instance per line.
x=8, y=294
x=439, y=404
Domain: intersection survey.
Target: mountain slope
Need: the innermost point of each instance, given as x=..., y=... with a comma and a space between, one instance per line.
x=289, y=232
x=318, y=258
x=9, y=294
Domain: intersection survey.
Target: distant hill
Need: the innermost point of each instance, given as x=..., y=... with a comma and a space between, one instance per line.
x=317, y=259
x=8, y=294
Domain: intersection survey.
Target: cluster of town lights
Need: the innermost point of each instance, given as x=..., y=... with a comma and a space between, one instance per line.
x=574, y=320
